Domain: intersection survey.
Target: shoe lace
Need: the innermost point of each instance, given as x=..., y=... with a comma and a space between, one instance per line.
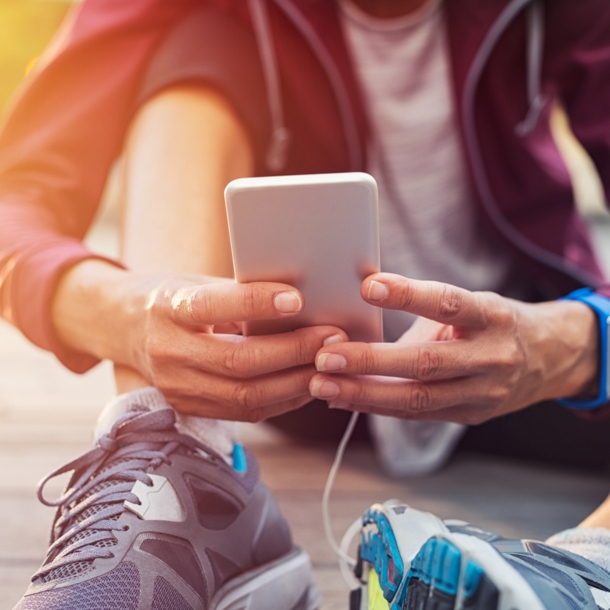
x=89, y=510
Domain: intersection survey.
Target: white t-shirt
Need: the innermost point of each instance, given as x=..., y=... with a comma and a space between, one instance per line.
x=428, y=224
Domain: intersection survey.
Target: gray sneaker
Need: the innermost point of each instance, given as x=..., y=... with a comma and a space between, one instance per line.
x=152, y=519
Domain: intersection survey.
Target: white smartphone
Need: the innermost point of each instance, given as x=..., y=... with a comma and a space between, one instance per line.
x=318, y=233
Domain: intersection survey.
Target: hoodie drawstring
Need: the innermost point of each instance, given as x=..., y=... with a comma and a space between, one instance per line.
x=535, y=48
x=277, y=153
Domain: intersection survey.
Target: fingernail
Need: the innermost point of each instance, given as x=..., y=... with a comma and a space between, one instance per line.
x=330, y=362
x=339, y=404
x=333, y=339
x=322, y=388
x=287, y=302
x=377, y=291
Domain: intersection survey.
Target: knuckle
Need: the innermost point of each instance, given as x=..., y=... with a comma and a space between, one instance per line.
x=450, y=302
x=250, y=299
x=502, y=313
x=181, y=303
x=246, y=396
x=406, y=296
x=206, y=303
x=419, y=398
x=365, y=360
x=359, y=393
x=428, y=364
x=240, y=361
x=303, y=352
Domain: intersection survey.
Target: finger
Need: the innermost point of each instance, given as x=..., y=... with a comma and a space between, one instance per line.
x=212, y=304
x=430, y=361
x=394, y=394
x=433, y=300
x=244, y=357
x=213, y=410
x=250, y=398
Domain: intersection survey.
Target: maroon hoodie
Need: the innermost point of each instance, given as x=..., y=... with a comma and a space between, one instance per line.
x=67, y=124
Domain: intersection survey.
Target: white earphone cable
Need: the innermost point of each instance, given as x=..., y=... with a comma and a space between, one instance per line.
x=345, y=561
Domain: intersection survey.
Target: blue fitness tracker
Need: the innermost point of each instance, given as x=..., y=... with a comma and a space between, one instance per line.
x=601, y=306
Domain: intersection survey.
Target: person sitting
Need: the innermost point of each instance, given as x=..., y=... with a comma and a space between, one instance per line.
x=447, y=105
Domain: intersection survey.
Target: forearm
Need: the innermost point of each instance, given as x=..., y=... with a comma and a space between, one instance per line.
x=95, y=309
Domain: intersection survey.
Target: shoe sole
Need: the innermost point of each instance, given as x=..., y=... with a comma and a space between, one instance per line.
x=286, y=584
x=444, y=572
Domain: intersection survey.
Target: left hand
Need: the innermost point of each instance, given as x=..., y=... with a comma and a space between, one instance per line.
x=469, y=357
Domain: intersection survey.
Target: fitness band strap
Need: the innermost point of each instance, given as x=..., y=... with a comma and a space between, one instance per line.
x=601, y=306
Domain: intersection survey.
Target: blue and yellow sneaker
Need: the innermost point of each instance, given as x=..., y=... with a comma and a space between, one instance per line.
x=411, y=560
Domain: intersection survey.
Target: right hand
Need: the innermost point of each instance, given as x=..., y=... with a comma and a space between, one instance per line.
x=178, y=348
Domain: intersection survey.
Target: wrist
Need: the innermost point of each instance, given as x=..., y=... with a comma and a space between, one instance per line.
x=92, y=306
x=584, y=378
x=572, y=351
